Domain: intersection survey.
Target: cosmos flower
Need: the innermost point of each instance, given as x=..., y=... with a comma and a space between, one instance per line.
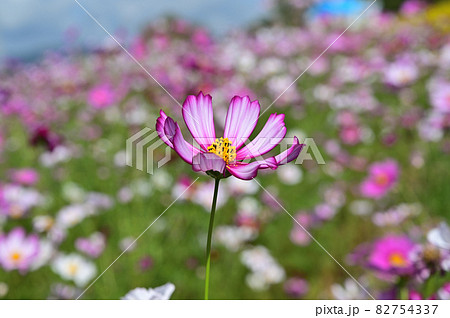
x=392, y=255
x=26, y=176
x=163, y=292
x=401, y=73
x=92, y=246
x=440, y=236
x=382, y=178
x=440, y=97
x=296, y=287
x=101, y=96
x=348, y=291
x=74, y=267
x=18, y=251
x=224, y=156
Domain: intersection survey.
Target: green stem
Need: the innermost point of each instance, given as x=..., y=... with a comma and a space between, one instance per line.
x=208, y=244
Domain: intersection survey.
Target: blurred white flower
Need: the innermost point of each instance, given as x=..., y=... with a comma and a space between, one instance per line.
x=71, y=215
x=238, y=186
x=42, y=223
x=290, y=174
x=401, y=73
x=163, y=292
x=249, y=206
x=127, y=244
x=233, y=237
x=59, y=154
x=440, y=236
x=74, y=267
x=265, y=269
x=46, y=251
x=161, y=179
x=349, y=291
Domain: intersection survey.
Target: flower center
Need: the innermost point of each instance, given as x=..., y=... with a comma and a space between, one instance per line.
x=222, y=147
x=73, y=268
x=382, y=179
x=16, y=256
x=397, y=259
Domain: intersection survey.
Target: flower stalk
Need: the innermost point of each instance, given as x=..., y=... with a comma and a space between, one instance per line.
x=210, y=230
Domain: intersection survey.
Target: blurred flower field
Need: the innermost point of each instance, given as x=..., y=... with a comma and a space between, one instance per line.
x=376, y=105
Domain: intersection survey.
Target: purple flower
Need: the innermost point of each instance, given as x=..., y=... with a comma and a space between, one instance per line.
x=18, y=251
x=296, y=287
x=382, y=178
x=392, y=255
x=92, y=246
x=224, y=156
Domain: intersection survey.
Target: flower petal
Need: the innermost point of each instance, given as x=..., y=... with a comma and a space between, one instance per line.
x=207, y=161
x=241, y=119
x=184, y=149
x=248, y=171
x=160, y=122
x=271, y=135
x=198, y=115
x=289, y=154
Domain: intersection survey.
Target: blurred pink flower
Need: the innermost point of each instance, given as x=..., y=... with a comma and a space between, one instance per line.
x=392, y=255
x=440, y=97
x=382, y=178
x=102, y=96
x=296, y=287
x=411, y=7
x=401, y=73
x=92, y=246
x=223, y=156
x=18, y=251
x=26, y=176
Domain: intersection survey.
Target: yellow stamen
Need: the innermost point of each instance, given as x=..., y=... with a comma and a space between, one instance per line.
x=397, y=260
x=222, y=147
x=73, y=268
x=16, y=256
x=382, y=179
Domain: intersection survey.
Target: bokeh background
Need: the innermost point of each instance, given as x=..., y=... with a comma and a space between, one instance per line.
x=376, y=104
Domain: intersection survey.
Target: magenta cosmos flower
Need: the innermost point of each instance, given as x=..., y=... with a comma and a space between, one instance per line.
x=393, y=255
x=227, y=155
x=382, y=178
x=102, y=96
x=18, y=251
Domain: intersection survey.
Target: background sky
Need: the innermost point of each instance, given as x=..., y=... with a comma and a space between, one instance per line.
x=29, y=27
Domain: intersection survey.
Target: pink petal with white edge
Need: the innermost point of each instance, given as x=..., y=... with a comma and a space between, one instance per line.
x=271, y=135
x=207, y=161
x=241, y=120
x=290, y=154
x=198, y=115
x=248, y=171
x=184, y=149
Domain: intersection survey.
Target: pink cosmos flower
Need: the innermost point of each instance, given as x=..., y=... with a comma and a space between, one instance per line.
x=101, y=96
x=25, y=176
x=18, y=251
x=225, y=156
x=440, y=97
x=393, y=255
x=92, y=246
x=382, y=178
x=401, y=73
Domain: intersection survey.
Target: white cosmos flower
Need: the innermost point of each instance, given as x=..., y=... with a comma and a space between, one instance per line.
x=74, y=267
x=349, y=291
x=163, y=292
x=440, y=236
